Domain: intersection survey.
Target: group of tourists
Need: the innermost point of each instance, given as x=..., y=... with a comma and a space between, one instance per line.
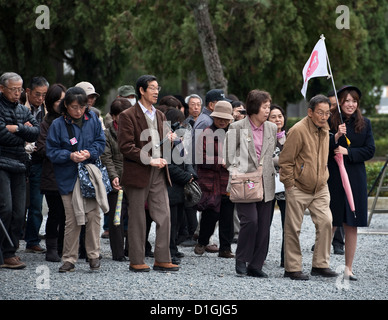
x=139, y=159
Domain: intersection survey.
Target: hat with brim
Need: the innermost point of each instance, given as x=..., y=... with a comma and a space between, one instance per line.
x=222, y=109
x=126, y=91
x=88, y=88
x=349, y=87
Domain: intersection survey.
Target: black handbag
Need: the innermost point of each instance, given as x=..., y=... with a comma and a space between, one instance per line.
x=193, y=194
x=87, y=188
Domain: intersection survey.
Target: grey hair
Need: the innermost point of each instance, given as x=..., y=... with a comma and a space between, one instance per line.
x=7, y=76
x=320, y=98
x=187, y=99
x=38, y=82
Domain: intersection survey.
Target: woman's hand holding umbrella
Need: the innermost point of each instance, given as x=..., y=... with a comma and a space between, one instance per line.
x=339, y=153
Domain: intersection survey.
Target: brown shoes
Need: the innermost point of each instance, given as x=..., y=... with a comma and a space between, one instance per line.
x=139, y=267
x=225, y=254
x=199, y=249
x=35, y=249
x=165, y=266
x=94, y=264
x=158, y=266
x=297, y=275
x=212, y=248
x=13, y=263
x=67, y=267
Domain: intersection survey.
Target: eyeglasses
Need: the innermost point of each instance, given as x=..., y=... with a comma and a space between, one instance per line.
x=323, y=114
x=155, y=88
x=77, y=108
x=39, y=95
x=13, y=90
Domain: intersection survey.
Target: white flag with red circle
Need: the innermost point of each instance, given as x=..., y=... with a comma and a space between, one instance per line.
x=316, y=65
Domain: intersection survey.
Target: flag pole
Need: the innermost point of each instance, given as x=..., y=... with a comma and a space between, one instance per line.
x=332, y=80
x=335, y=90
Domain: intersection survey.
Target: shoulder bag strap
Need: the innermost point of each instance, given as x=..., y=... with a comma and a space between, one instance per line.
x=70, y=131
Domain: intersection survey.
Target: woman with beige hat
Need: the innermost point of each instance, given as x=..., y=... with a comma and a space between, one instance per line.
x=213, y=179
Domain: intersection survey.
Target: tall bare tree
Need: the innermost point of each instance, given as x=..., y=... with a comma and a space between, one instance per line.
x=208, y=43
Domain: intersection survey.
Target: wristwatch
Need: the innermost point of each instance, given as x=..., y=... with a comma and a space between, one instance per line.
x=17, y=128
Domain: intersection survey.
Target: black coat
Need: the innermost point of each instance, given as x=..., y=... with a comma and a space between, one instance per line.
x=180, y=174
x=47, y=181
x=362, y=148
x=12, y=154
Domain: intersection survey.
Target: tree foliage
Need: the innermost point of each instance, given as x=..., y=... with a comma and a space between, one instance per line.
x=265, y=44
x=78, y=34
x=261, y=43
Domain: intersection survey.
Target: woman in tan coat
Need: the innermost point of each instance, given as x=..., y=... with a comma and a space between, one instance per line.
x=251, y=142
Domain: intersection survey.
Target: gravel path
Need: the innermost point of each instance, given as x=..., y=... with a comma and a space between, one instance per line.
x=206, y=277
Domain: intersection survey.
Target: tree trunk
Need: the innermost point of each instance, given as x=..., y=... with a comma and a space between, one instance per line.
x=208, y=43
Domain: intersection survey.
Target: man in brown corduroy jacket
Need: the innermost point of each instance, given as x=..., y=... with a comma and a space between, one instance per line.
x=145, y=176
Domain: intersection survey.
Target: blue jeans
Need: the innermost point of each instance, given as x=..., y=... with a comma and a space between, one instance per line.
x=12, y=206
x=35, y=217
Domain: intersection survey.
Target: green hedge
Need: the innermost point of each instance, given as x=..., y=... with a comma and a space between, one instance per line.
x=380, y=133
x=373, y=169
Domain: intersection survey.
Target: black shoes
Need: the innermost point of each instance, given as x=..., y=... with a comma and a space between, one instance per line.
x=253, y=272
x=324, y=272
x=241, y=268
x=338, y=250
x=350, y=277
x=297, y=275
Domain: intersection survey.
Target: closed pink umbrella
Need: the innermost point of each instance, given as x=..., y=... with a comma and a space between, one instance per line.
x=345, y=181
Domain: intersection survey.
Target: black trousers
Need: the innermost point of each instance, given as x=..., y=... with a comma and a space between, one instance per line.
x=116, y=233
x=55, y=225
x=176, y=216
x=253, y=239
x=208, y=222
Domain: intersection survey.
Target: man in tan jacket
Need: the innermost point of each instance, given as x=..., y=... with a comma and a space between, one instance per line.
x=303, y=163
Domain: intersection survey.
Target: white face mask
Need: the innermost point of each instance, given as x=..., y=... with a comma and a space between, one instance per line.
x=132, y=101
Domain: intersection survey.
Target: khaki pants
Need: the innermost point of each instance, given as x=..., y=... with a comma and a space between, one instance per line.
x=72, y=232
x=297, y=202
x=156, y=196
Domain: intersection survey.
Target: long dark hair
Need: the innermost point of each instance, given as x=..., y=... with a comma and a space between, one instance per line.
x=335, y=119
x=54, y=93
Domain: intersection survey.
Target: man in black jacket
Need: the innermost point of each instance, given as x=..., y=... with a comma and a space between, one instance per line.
x=35, y=94
x=17, y=126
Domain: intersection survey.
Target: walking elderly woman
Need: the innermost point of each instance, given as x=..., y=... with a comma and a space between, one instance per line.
x=90, y=142
x=213, y=180
x=249, y=143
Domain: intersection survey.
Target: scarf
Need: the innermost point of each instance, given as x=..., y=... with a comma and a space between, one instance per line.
x=281, y=134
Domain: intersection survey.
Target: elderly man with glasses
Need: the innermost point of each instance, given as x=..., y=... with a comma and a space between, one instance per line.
x=35, y=101
x=304, y=172
x=17, y=126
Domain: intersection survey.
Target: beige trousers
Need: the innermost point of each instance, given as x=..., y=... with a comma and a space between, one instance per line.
x=72, y=232
x=297, y=202
x=156, y=196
